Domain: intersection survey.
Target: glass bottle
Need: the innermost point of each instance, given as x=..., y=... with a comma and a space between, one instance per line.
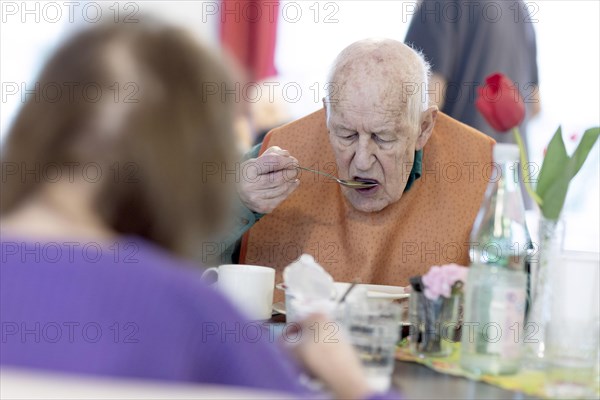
x=497, y=282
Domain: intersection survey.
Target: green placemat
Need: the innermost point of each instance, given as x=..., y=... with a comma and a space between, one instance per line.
x=530, y=382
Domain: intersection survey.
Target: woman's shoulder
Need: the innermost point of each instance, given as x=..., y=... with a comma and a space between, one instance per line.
x=127, y=266
x=165, y=275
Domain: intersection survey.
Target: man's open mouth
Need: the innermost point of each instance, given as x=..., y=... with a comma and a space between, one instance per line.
x=372, y=185
x=366, y=180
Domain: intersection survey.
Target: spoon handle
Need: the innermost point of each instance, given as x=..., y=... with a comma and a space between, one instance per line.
x=318, y=172
x=352, y=286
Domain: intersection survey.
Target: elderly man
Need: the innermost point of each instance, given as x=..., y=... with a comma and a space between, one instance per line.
x=430, y=173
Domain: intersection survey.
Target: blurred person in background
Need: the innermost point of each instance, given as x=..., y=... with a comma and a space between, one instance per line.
x=103, y=212
x=465, y=41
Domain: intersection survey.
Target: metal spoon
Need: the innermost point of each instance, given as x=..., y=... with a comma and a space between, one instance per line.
x=352, y=286
x=344, y=182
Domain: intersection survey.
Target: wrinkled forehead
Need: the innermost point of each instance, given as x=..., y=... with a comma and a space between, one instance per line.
x=349, y=114
x=369, y=97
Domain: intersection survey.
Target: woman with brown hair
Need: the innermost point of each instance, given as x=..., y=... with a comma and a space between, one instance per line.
x=105, y=201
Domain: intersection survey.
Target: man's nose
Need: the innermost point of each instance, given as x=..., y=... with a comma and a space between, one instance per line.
x=365, y=154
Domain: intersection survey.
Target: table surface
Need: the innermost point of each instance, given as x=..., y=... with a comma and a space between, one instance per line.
x=416, y=381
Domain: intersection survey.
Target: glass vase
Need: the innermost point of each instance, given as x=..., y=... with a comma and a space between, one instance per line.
x=546, y=254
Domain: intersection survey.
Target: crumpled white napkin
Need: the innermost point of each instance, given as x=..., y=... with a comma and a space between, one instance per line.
x=311, y=287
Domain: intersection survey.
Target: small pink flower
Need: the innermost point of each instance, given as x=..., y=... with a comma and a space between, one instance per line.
x=440, y=280
x=573, y=137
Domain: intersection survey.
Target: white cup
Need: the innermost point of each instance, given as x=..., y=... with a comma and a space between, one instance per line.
x=249, y=287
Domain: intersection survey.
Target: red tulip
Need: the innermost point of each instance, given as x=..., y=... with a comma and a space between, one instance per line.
x=500, y=103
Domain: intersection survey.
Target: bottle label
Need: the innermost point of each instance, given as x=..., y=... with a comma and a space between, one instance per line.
x=507, y=310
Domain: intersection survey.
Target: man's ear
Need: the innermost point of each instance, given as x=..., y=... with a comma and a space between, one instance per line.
x=324, y=100
x=326, y=106
x=427, y=123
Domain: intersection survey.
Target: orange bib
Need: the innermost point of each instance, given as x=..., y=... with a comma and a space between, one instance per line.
x=429, y=225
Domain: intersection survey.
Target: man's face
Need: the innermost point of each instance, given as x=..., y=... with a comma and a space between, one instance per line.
x=373, y=140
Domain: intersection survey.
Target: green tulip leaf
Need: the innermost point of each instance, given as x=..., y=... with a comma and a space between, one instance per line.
x=558, y=169
x=583, y=149
x=555, y=196
x=553, y=165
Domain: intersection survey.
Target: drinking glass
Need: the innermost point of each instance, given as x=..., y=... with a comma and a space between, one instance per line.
x=374, y=330
x=571, y=336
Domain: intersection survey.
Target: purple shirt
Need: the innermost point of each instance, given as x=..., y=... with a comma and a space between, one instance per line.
x=128, y=309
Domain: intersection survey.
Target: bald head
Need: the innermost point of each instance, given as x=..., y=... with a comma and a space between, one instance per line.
x=393, y=71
